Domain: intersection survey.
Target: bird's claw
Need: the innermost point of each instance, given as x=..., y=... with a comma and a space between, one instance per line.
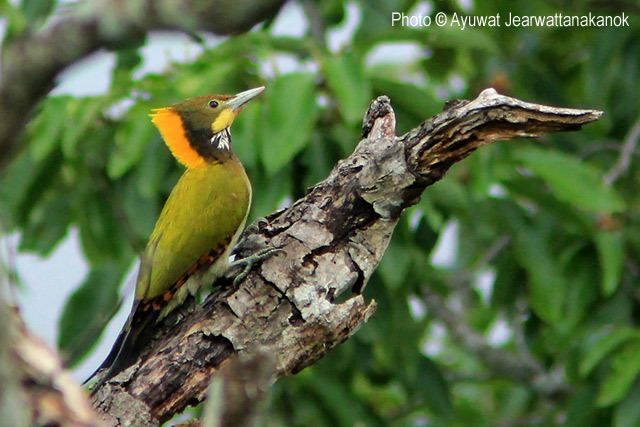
x=248, y=262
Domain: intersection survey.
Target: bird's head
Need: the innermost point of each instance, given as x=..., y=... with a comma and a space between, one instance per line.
x=197, y=130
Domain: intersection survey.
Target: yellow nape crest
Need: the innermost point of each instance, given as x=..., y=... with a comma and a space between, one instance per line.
x=172, y=130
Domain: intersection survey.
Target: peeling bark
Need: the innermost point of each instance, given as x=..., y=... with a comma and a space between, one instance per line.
x=331, y=242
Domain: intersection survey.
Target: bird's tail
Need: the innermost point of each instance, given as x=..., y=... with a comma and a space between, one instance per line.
x=127, y=346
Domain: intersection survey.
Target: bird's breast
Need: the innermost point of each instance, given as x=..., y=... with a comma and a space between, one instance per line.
x=207, y=207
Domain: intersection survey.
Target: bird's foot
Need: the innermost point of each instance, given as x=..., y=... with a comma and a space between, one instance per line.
x=247, y=263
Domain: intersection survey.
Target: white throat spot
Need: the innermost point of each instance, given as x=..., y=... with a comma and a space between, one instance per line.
x=222, y=139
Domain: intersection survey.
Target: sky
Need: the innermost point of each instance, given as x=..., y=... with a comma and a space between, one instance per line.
x=49, y=282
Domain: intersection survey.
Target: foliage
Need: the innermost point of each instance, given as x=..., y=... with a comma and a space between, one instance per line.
x=558, y=242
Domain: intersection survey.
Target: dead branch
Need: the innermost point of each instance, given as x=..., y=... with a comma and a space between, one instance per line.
x=308, y=298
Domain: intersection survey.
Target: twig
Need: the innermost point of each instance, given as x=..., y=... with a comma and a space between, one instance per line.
x=626, y=153
x=317, y=26
x=519, y=365
x=488, y=256
x=592, y=149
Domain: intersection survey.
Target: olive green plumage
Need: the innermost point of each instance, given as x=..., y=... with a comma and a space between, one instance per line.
x=199, y=223
x=207, y=207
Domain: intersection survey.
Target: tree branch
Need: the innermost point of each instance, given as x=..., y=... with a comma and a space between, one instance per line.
x=332, y=241
x=519, y=365
x=626, y=153
x=31, y=62
x=36, y=390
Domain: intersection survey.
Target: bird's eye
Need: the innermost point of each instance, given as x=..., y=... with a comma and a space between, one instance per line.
x=213, y=104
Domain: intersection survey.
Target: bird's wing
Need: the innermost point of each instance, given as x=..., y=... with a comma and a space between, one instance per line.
x=196, y=226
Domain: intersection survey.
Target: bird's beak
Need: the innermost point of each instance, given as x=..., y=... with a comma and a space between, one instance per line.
x=238, y=101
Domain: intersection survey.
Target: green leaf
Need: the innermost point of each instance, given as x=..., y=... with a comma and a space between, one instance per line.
x=47, y=223
x=14, y=187
x=376, y=22
x=335, y=396
x=152, y=170
x=348, y=84
x=395, y=264
x=83, y=113
x=36, y=10
x=16, y=21
x=625, y=366
x=101, y=235
x=627, y=413
x=452, y=37
x=38, y=201
x=582, y=292
x=604, y=344
x=449, y=195
x=141, y=213
x=46, y=128
x=610, y=246
x=289, y=114
x=246, y=134
x=269, y=193
x=571, y=220
x=88, y=310
x=571, y=180
x=127, y=59
x=546, y=282
x=131, y=138
x=318, y=159
x=41, y=178
x=434, y=389
x=332, y=11
x=581, y=407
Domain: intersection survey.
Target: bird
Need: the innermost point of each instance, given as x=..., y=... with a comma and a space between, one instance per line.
x=199, y=224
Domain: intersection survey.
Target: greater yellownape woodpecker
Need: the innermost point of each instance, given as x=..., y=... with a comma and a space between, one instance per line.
x=200, y=222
